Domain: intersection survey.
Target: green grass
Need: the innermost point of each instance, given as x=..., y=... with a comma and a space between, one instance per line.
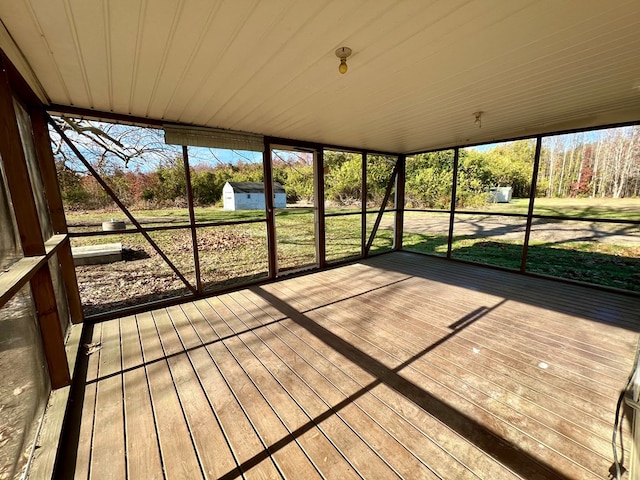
x=228, y=255
x=236, y=253
x=92, y=220
x=598, y=263
x=610, y=208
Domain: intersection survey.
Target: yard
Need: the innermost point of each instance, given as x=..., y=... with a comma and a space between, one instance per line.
x=595, y=252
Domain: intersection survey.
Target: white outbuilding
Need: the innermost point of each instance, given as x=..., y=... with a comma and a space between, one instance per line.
x=250, y=196
x=500, y=194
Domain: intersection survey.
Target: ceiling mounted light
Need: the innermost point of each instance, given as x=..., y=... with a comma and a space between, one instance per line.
x=343, y=53
x=478, y=121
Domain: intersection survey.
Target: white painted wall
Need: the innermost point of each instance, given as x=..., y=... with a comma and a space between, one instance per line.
x=280, y=200
x=232, y=200
x=228, y=197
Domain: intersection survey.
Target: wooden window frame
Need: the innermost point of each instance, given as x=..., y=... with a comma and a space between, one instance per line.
x=34, y=267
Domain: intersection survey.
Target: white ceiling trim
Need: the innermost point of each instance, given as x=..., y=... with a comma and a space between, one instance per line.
x=14, y=54
x=419, y=70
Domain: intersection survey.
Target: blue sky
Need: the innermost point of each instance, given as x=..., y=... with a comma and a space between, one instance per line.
x=215, y=156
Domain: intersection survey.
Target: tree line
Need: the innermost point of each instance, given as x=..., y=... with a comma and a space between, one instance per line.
x=603, y=163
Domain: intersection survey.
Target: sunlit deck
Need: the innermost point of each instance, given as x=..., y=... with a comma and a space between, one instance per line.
x=397, y=366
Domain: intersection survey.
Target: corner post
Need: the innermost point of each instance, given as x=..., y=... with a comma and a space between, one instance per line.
x=270, y=212
x=47, y=166
x=399, y=202
x=454, y=194
x=532, y=198
x=26, y=214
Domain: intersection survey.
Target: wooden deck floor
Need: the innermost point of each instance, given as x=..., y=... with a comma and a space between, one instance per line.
x=399, y=366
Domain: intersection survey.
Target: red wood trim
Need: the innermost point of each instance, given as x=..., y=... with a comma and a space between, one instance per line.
x=454, y=195
x=44, y=298
x=19, y=85
x=320, y=229
x=288, y=142
x=26, y=213
x=65, y=259
x=363, y=204
x=399, y=201
x=15, y=166
x=532, y=198
x=47, y=166
x=192, y=219
x=530, y=136
x=268, y=203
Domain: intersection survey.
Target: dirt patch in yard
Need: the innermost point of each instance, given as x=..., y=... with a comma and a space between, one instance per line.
x=143, y=276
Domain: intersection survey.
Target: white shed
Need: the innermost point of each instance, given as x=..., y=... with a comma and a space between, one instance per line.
x=250, y=196
x=500, y=194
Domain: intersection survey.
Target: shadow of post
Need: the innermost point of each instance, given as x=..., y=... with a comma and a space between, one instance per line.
x=492, y=444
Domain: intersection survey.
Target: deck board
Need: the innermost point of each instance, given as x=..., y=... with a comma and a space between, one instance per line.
x=340, y=428
x=570, y=446
x=294, y=403
x=178, y=454
x=335, y=387
x=367, y=339
x=290, y=459
x=108, y=459
x=240, y=433
x=201, y=421
x=142, y=448
x=400, y=366
x=85, y=436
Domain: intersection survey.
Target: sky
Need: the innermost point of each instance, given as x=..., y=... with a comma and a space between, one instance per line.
x=215, y=156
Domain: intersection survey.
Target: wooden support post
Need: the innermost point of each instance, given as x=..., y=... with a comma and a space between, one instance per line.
x=363, y=222
x=399, y=202
x=67, y=267
x=48, y=172
x=454, y=194
x=268, y=203
x=47, y=166
x=318, y=178
x=387, y=194
x=44, y=299
x=192, y=219
x=26, y=214
x=532, y=198
x=15, y=167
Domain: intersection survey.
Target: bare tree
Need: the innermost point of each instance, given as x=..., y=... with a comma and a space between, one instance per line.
x=110, y=146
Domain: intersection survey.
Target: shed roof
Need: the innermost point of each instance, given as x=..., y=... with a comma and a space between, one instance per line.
x=254, y=187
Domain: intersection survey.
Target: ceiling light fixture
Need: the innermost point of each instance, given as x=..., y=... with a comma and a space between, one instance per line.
x=343, y=53
x=478, y=121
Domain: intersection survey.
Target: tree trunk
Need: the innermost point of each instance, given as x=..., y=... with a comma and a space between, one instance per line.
x=564, y=161
x=552, y=158
x=595, y=165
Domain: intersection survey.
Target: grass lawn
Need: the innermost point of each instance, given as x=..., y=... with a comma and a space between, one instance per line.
x=228, y=254
x=92, y=220
x=599, y=263
x=237, y=253
x=613, y=208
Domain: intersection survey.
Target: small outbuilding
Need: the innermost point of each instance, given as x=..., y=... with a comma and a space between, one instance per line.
x=250, y=196
x=500, y=194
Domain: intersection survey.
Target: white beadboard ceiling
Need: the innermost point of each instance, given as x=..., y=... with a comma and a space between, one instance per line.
x=419, y=69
